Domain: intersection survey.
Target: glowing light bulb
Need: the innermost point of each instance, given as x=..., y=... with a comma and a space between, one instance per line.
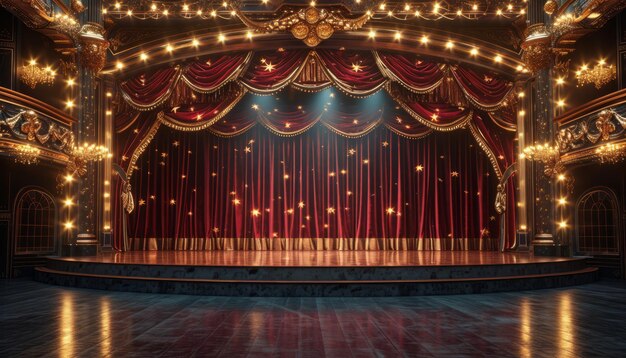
x=69, y=104
x=143, y=56
x=563, y=224
x=195, y=43
x=119, y=65
x=249, y=35
x=424, y=40
x=68, y=225
x=397, y=36
x=561, y=177
x=221, y=38
x=68, y=202
x=372, y=34
x=474, y=51
x=560, y=103
x=71, y=82
x=498, y=58
x=153, y=7
x=449, y=45
x=562, y=201
x=185, y=7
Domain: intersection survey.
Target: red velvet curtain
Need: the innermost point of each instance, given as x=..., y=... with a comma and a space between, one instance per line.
x=358, y=73
x=415, y=74
x=257, y=185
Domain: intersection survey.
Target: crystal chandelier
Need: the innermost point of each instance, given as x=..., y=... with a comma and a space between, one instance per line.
x=546, y=154
x=91, y=152
x=83, y=154
x=32, y=74
x=541, y=152
x=599, y=75
x=611, y=153
x=27, y=154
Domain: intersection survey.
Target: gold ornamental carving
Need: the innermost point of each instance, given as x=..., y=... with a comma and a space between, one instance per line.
x=92, y=46
x=311, y=25
x=537, y=50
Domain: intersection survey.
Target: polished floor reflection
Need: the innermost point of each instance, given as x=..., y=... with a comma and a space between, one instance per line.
x=42, y=320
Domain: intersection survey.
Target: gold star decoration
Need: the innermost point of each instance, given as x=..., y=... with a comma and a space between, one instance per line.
x=142, y=202
x=124, y=158
x=176, y=143
x=152, y=197
x=163, y=155
x=236, y=201
x=419, y=168
x=247, y=150
x=366, y=161
x=435, y=117
x=255, y=212
x=289, y=211
x=348, y=193
x=301, y=205
x=330, y=210
x=385, y=143
x=357, y=67
x=216, y=230
x=172, y=202
x=454, y=174
x=492, y=218
x=269, y=67
x=351, y=151
x=390, y=210
x=331, y=174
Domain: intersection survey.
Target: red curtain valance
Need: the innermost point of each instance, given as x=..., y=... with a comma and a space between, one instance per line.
x=357, y=73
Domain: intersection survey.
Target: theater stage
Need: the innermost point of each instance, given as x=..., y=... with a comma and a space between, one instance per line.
x=316, y=273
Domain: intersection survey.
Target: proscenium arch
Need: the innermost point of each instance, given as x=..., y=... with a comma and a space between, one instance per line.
x=238, y=42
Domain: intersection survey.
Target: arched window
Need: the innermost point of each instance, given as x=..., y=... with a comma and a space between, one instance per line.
x=597, y=218
x=35, y=223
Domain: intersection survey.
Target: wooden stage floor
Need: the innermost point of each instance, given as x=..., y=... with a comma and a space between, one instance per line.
x=316, y=258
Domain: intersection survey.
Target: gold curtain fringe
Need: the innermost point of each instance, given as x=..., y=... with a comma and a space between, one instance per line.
x=482, y=143
x=316, y=244
x=145, y=141
x=191, y=127
x=407, y=136
x=387, y=73
x=266, y=123
x=504, y=125
x=230, y=135
x=233, y=76
x=475, y=101
x=164, y=97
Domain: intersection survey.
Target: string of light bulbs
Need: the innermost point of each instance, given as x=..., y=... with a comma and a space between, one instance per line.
x=438, y=10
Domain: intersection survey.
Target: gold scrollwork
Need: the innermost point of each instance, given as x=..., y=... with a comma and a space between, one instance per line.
x=311, y=25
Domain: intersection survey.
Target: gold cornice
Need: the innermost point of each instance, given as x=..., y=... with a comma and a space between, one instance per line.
x=594, y=106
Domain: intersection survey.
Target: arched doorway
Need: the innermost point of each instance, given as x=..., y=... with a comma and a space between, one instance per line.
x=35, y=226
x=598, y=228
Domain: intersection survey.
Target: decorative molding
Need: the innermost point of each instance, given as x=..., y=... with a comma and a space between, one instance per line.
x=22, y=122
x=583, y=130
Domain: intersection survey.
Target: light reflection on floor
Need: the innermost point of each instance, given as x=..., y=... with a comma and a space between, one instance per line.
x=41, y=320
